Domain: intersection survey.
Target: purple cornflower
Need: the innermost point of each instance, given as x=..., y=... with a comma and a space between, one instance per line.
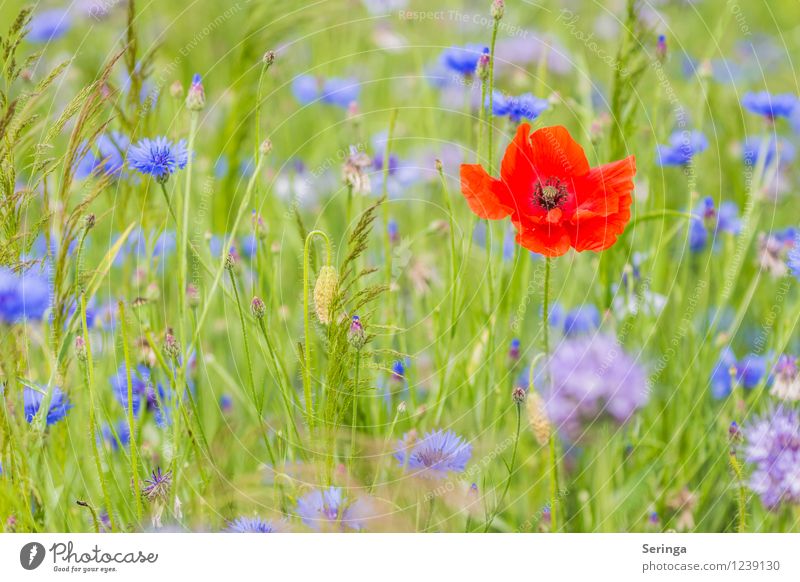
x=683, y=146
x=768, y=105
x=786, y=384
x=48, y=25
x=748, y=372
x=525, y=106
x=590, y=379
x=59, y=404
x=773, y=446
x=513, y=350
x=156, y=488
x=777, y=251
x=581, y=320
x=435, y=455
x=250, y=525
x=226, y=403
x=330, y=509
x=158, y=157
x=356, y=335
x=394, y=231
x=196, y=96
x=463, y=60
x=23, y=296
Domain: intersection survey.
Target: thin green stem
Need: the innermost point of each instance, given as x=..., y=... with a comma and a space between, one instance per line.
x=89, y=377
x=131, y=425
x=355, y=411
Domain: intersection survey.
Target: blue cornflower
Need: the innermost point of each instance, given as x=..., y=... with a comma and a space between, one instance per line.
x=707, y=217
x=119, y=436
x=330, y=509
x=249, y=246
x=398, y=371
x=581, y=320
x=158, y=157
x=393, y=230
x=226, y=403
x=142, y=390
x=793, y=259
x=59, y=404
x=462, y=60
x=524, y=106
x=305, y=89
x=250, y=525
x=683, y=146
x=434, y=456
x=48, y=25
x=340, y=92
x=769, y=105
x=513, y=350
x=23, y=296
x=749, y=371
x=106, y=158
x=773, y=147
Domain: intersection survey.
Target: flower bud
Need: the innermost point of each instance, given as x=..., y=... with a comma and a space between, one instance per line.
x=498, y=9
x=80, y=348
x=196, y=97
x=192, y=295
x=268, y=58
x=265, y=147
x=176, y=89
x=257, y=308
x=356, y=335
x=230, y=261
x=89, y=221
x=171, y=346
x=518, y=395
x=482, y=68
x=325, y=292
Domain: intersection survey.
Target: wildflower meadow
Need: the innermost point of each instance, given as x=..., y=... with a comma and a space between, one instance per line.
x=399, y=266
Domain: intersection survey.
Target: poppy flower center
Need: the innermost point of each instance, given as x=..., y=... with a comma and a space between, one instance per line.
x=549, y=193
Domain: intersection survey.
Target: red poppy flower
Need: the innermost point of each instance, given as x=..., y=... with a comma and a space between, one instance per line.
x=555, y=200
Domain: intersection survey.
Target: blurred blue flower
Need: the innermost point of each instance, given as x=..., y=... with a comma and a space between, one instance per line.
x=48, y=25
x=305, y=89
x=462, y=60
x=683, y=146
x=708, y=218
x=773, y=147
x=749, y=371
x=435, y=455
x=119, y=436
x=581, y=320
x=330, y=509
x=772, y=444
x=794, y=261
x=107, y=157
x=524, y=106
x=142, y=390
x=340, y=92
x=23, y=296
x=769, y=105
x=59, y=404
x=158, y=157
x=250, y=525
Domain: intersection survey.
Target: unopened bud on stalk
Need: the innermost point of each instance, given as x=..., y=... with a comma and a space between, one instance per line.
x=192, y=295
x=498, y=9
x=268, y=58
x=257, y=308
x=230, y=261
x=482, y=68
x=265, y=147
x=89, y=221
x=196, y=97
x=171, y=346
x=356, y=335
x=80, y=348
x=518, y=395
x=325, y=292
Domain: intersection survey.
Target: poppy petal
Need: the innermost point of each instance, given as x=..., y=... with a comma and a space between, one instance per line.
x=599, y=192
x=550, y=240
x=484, y=194
x=597, y=233
x=517, y=169
x=557, y=155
